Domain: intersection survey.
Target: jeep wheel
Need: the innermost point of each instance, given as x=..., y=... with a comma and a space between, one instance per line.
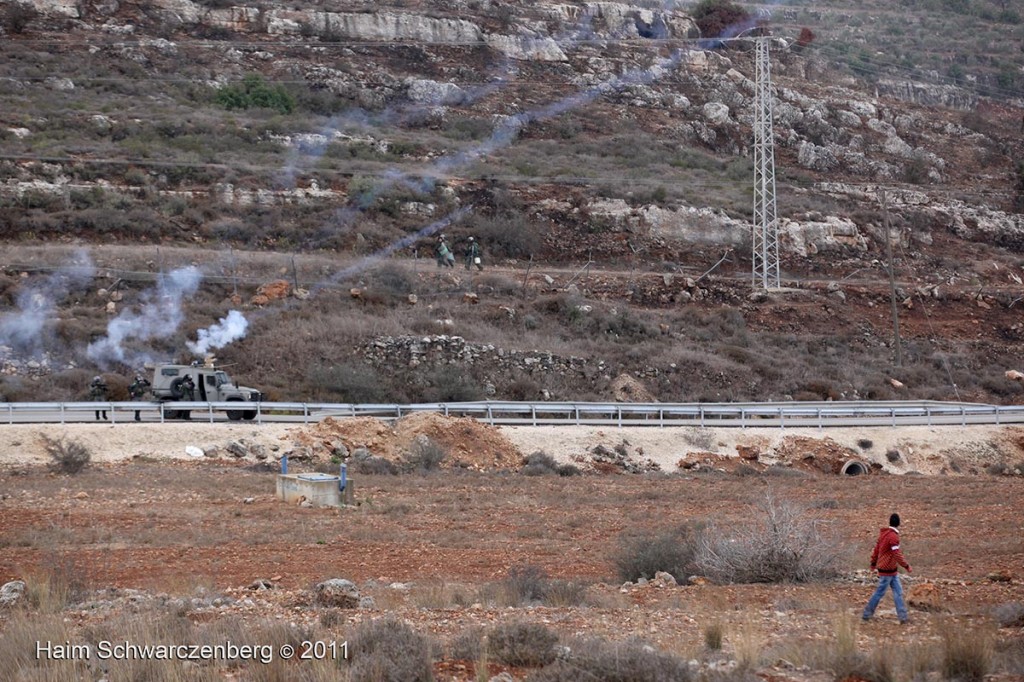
x=249, y=415
x=235, y=415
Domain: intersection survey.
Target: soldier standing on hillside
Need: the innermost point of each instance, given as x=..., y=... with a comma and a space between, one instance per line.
x=473, y=255
x=137, y=389
x=98, y=394
x=445, y=258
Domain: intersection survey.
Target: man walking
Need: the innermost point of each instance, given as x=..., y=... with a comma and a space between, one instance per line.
x=886, y=559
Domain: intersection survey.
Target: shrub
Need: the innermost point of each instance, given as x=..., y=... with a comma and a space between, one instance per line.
x=17, y=16
x=541, y=463
x=388, y=649
x=713, y=633
x=425, y=455
x=782, y=543
x=966, y=654
x=672, y=551
x=252, y=93
x=374, y=466
x=525, y=583
x=522, y=644
x=716, y=17
x=69, y=456
x=892, y=455
x=865, y=443
x=597, y=660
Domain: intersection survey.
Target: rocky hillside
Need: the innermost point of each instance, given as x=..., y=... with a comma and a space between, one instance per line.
x=558, y=134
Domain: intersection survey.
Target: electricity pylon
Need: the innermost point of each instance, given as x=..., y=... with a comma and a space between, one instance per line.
x=766, y=223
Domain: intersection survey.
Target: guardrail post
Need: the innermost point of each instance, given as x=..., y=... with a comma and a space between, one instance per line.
x=821, y=424
x=209, y=407
x=892, y=410
x=661, y=417
x=490, y=415
x=112, y=419
x=996, y=408
x=782, y=418
x=702, y=416
x=259, y=413
x=161, y=413
x=305, y=413
x=61, y=414
x=963, y=416
x=533, y=414
x=618, y=410
x=576, y=408
x=446, y=409
x=928, y=411
x=743, y=418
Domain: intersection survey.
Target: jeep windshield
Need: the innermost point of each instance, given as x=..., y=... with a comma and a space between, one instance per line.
x=222, y=378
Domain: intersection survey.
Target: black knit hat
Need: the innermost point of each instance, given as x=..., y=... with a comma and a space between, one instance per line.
x=894, y=520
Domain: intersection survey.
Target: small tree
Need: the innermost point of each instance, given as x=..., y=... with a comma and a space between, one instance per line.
x=720, y=18
x=69, y=457
x=17, y=16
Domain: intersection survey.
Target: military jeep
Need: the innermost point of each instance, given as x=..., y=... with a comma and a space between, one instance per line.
x=211, y=385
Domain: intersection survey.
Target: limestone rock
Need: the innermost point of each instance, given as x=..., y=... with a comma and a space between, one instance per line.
x=11, y=593
x=337, y=592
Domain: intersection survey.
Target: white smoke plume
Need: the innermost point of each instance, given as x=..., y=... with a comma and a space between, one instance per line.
x=230, y=328
x=25, y=330
x=158, y=316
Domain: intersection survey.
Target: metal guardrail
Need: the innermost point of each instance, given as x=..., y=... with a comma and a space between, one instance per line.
x=742, y=415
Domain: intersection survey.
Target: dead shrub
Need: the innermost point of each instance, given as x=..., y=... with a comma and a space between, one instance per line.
x=525, y=583
x=68, y=456
x=425, y=455
x=782, y=543
x=713, y=634
x=598, y=660
x=671, y=550
x=522, y=644
x=541, y=463
x=966, y=654
x=57, y=583
x=374, y=466
x=388, y=649
x=865, y=443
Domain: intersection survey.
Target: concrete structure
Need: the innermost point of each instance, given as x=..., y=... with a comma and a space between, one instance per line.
x=320, y=490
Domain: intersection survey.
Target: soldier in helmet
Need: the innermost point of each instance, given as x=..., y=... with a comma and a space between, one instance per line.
x=445, y=258
x=98, y=394
x=137, y=390
x=188, y=390
x=473, y=255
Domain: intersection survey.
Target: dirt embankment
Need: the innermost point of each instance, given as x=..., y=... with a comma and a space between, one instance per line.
x=474, y=445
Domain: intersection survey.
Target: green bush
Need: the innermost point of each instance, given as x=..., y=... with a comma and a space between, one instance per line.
x=253, y=93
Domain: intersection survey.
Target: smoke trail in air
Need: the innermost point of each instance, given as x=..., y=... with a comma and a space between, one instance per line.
x=25, y=330
x=158, y=316
x=230, y=328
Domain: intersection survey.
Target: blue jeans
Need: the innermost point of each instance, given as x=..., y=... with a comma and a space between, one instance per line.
x=884, y=583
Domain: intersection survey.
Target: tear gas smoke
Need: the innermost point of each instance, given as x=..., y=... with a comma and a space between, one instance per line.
x=158, y=316
x=230, y=328
x=25, y=330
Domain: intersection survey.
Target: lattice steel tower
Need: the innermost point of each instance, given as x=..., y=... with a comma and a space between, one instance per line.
x=766, y=224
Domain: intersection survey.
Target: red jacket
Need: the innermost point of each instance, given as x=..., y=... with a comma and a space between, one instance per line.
x=887, y=556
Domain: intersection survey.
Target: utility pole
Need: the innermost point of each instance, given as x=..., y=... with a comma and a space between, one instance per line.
x=892, y=280
x=765, y=241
